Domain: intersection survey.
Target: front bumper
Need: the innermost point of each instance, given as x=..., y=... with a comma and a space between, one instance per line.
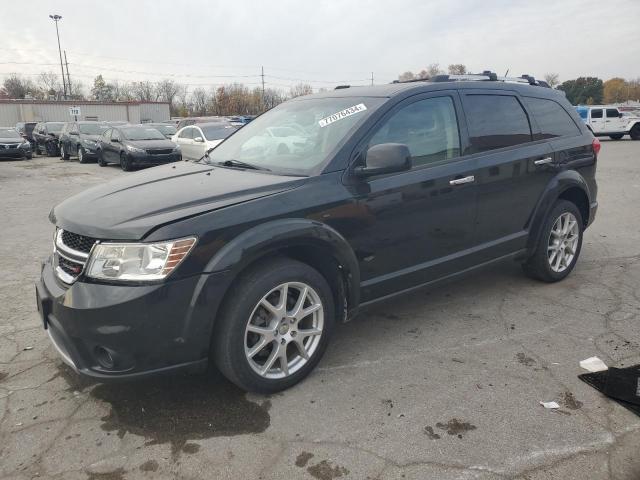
x=144, y=159
x=146, y=329
x=15, y=152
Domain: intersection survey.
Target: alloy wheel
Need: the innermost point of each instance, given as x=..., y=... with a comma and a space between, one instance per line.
x=284, y=330
x=80, y=155
x=563, y=242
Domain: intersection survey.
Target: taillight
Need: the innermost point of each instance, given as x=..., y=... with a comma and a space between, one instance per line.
x=596, y=145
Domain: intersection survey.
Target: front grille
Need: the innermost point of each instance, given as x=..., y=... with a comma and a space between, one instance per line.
x=70, y=268
x=159, y=151
x=7, y=146
x=77, y=242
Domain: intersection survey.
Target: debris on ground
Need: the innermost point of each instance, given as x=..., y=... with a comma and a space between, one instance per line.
x=619, y=384
x=593, y=364
x=550, y=404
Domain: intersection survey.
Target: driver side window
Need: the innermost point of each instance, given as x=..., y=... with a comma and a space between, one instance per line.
x=187, y=133
x=428, y=127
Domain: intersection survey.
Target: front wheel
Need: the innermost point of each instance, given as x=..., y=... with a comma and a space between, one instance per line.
x=101, y=161
x=559, y=245
x=125, y=163
x=617, y=136
x=63, y=153
x=82, y=158
x=635, y=132
x=274, y=327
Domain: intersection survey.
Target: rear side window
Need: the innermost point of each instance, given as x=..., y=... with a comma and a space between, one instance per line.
x=596, y=113
x=428, y=127
x=612, y=113
x=552, y=119
x=495, y=121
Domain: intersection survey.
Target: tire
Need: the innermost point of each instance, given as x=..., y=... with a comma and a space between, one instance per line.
x=81, y=155
x=125, y=163
x=29, y=157
x=231, y=340
x=63, y=153
x=617, y=136
x=635, y=132
x=539, y=265
x=101, y=161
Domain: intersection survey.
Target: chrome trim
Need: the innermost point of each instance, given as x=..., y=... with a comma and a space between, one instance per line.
x=461, y=181
x=543, y=161
x=64, y=276
x=65, y=356
x=70, y=254
x=68, y=250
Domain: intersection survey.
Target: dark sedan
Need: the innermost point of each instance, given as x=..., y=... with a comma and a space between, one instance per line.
x=136, y=146
x=12, y=145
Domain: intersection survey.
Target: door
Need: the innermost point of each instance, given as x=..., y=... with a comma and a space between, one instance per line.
x=597, y=120
x=185, y=140
x=199, y=143
x=513, y=169
x=113, y=147
x=418, y=225
x=103, y=142
x=71, y=139
x=614, y=122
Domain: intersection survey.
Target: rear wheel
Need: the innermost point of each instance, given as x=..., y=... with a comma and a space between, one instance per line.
x=125, y=163
x=559, y=245
x=635, y=132
x=618, y=136
x=274, y=327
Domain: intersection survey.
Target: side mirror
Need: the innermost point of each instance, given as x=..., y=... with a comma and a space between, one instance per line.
x=620, y=114
x=385, y=158
x=116, y=140
x=198, y=139
x=74, y=133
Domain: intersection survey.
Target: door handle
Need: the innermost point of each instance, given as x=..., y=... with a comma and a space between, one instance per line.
x=543, y=161
x=461, y=181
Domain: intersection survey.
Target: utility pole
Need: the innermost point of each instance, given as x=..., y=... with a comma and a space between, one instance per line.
x=372, y=79
x=262, y=75
x=56, y=18
x=66, y=64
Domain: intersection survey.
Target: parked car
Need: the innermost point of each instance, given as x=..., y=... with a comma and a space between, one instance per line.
x=12, y=145
x=193, y=120
x=116, y=123
x=196, y=140
x=135, y=146
x=45, y=137
x=81, y=139
x=609, y=121
x=249, y=260
x=167, y=129
x=25, y=129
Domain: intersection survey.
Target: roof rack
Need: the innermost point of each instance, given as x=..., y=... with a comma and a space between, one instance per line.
x=486, y=76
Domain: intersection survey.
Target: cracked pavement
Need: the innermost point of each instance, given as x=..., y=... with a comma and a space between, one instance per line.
x=439, y=384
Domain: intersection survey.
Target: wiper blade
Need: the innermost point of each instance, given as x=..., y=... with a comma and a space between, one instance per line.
x=241, y=164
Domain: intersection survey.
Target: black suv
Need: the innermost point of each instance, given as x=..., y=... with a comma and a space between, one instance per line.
x=249, y=257
x=81, y=139
x=45, y=138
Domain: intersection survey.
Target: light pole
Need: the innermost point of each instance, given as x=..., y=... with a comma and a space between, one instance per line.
x=55, y=18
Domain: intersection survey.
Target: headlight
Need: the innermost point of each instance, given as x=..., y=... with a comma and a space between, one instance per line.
x=176, y=148
x=25, y=144
x=135, y=149
x=137, y=262
x=91, y=143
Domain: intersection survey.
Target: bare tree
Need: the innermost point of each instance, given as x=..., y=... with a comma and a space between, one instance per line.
x=166, y=91
x=17, y=87
x=123, y=92
x=300, y=90
x=457, y=69
x=406, y=76
x=199, y=100
x=433, y=70
x=76, y=90
x=144, y=91
x=49, y=84
x=553, y=79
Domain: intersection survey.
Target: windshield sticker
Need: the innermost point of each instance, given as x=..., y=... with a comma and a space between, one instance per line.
x=347, y=112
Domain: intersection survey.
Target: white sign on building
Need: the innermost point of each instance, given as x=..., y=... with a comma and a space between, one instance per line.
x=74, y=111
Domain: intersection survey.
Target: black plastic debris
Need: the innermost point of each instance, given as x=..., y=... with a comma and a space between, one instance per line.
x=620, y=384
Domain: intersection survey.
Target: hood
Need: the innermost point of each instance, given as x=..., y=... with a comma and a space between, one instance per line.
x=128, y=208
x=86, y=136
x=150, y=143
x=11, y=140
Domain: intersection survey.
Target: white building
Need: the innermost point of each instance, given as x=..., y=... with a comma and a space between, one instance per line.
x=14, y=111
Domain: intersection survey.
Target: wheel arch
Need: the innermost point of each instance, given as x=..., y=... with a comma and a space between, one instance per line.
x=307, y=241
x=567, y=185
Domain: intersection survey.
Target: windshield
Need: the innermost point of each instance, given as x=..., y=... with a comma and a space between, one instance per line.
x=218, y=132
x=166, y=129
x=298, y=136
x=54, y=127
x=92, y=128
x=141, y=133
x=9, y=133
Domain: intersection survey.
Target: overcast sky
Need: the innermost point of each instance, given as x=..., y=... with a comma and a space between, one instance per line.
x=324, y=43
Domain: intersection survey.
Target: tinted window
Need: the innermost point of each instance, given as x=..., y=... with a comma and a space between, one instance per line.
x=9, y=133
x=186, y=133
x=107, y=135
x=596, y=113
x=218, y=132
x=428, y=127
x=612, y=113
x=115, y=134
x=495, y=121
x=142, y=133
x=552, y=119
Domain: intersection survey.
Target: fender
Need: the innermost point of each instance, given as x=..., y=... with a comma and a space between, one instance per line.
x=286, y=233
x=562, y=182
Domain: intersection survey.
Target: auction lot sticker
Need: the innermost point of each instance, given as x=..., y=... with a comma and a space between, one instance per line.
x=347, y=112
